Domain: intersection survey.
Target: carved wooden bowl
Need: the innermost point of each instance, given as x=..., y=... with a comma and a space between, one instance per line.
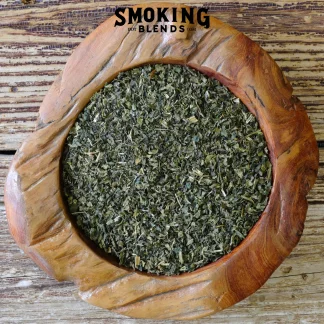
x=38, y=217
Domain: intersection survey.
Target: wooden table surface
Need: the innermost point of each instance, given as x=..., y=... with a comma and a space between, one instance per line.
x=35, y=42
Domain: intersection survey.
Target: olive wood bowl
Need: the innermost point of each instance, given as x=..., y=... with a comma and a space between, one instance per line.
x=38, y=217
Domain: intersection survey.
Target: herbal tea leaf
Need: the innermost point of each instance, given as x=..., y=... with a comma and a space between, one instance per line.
x=166, y=169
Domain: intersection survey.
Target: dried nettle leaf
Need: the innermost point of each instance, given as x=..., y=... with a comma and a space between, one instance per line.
x=166, y=169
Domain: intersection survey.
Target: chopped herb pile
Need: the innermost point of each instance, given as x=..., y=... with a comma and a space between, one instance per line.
x=166, y=169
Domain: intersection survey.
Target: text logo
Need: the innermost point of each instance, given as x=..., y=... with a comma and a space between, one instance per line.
x=180, y=16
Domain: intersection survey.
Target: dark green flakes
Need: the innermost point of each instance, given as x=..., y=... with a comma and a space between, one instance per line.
x=166, y=169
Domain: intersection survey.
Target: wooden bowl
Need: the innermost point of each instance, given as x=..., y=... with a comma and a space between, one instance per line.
x=38, y=217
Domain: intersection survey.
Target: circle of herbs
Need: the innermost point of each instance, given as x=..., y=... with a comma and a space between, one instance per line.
x=166, y=169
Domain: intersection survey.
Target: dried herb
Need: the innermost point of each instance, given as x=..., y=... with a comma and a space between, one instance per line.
x=166, y=169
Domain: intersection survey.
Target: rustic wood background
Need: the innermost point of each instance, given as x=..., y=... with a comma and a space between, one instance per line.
x=35, y=42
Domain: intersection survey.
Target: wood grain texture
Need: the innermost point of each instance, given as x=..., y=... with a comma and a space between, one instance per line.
x=32, y=38
x=315, y=196
x=40, y=224
x=293, y=294
x=35, y=42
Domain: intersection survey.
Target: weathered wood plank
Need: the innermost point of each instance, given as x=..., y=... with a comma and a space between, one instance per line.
x=316, y=194
x=294, y=292
x=5, y=161
x=35, y=42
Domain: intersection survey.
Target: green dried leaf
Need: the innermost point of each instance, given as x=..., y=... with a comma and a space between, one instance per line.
x=166, y=169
